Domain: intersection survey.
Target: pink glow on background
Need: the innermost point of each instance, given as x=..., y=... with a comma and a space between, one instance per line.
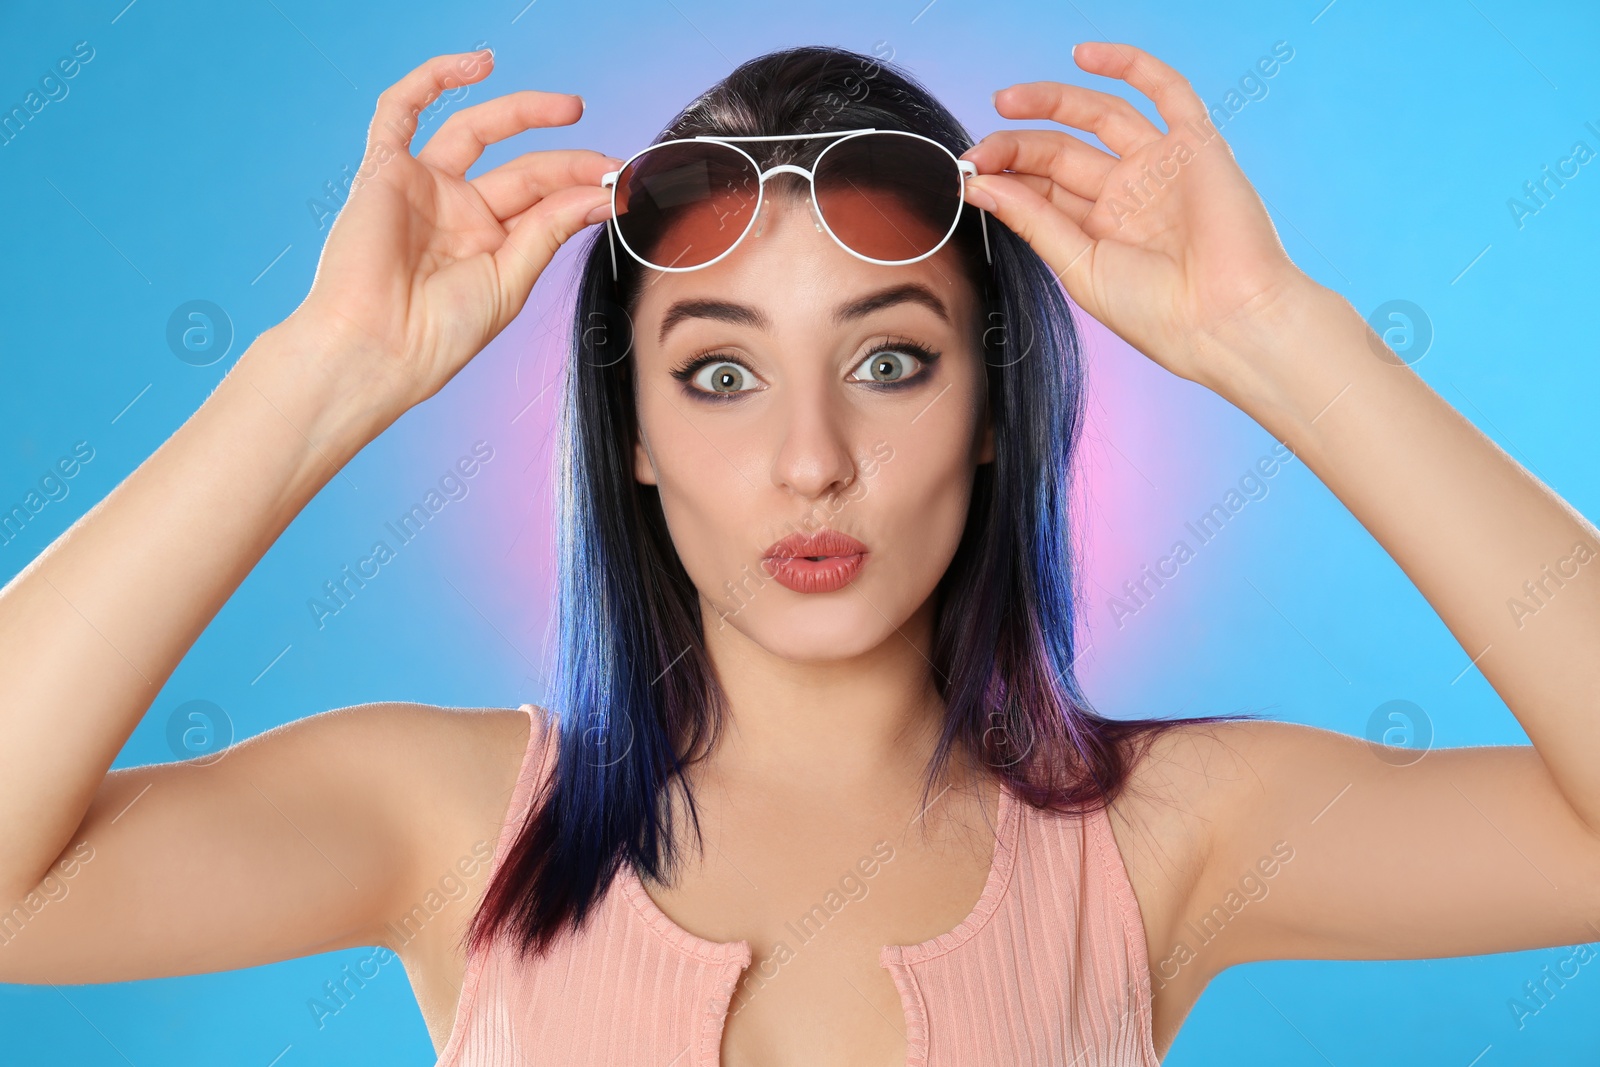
x=511, y=394
x=1152, y=455
x=1149, y=453
x=1149, y=443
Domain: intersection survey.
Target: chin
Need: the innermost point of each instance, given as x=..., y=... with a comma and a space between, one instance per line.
x=813, y=627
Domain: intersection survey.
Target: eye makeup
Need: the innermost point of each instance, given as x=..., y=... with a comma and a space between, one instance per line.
x=925, y=356
x=686, y=371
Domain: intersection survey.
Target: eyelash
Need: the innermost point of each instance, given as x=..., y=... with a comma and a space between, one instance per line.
x=685, y=371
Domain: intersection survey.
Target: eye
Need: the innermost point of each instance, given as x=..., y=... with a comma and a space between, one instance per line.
x=722, y=376
x=889, y=364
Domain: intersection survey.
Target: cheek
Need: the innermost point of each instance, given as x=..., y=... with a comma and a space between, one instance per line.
x=918, y=497
x=703, y=505
x=705, y=498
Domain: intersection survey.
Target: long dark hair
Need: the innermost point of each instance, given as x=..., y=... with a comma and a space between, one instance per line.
x=634, y=710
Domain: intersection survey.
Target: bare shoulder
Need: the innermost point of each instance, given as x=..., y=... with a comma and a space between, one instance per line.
x=1159, y=816
x=462, y=765
x=444, y=778
x=1180, y=786
x=468, y=761
x=448, y=772
x=1183, y=785
x=1203, y=794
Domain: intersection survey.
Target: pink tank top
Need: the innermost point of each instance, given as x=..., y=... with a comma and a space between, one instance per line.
x=1048, y=970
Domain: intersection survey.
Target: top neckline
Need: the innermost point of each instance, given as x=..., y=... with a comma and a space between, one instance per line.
x=1001, y=864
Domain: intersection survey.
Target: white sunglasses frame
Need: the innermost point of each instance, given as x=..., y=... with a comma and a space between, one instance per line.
x=964, y=169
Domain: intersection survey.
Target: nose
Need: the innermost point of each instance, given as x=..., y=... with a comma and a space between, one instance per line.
x=813, y=458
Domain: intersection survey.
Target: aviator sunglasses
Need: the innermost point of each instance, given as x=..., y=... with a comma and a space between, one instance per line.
x=884, y=196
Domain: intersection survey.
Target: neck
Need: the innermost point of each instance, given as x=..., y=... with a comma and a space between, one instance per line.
x=836, y=725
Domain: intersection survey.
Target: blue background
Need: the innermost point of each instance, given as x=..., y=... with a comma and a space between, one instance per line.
x=180, y=165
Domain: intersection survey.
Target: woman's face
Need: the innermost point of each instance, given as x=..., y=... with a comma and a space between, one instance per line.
x=792, y=388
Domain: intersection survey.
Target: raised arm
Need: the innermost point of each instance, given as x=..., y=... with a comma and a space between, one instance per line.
x=420, y=271
x=1465, y=850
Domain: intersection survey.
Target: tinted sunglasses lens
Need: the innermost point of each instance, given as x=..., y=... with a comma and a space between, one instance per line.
x=888, y=196
x=683, y=205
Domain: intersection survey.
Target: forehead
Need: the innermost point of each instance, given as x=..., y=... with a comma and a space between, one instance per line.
x=797, y=277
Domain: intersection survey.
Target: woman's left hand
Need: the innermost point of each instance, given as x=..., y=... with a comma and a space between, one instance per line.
x=1166, y=242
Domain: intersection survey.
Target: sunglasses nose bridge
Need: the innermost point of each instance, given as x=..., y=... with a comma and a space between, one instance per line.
x=786, y=168
x=799, y=172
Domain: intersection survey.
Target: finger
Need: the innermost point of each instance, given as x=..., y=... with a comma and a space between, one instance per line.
x=464, y=135
x=395, y=120
x=1076, y=207
x=1170, y=91
x=513, y=187
x=1064, y=159
x=534, y=236
x=1119, y=125
x=1058, y=239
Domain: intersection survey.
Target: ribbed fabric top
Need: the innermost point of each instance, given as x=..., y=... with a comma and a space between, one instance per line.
x=1048, y=970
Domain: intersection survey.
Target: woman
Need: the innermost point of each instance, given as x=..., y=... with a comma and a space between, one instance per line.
x=818, y=785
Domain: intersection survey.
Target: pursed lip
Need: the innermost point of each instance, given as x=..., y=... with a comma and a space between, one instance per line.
x=822, y=562
x=821, y=544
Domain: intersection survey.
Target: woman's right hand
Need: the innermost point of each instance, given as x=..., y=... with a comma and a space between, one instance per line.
x=424, y=267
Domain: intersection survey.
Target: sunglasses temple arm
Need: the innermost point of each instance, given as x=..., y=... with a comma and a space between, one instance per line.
x=984, y=218
x=612, y=241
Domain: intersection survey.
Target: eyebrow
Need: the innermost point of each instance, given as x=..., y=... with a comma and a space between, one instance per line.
x=745, y=315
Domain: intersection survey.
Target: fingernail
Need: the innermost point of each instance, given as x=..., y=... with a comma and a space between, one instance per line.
x=582, y=104
x=992, y=100
x=980, y=197
x=599, y=214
